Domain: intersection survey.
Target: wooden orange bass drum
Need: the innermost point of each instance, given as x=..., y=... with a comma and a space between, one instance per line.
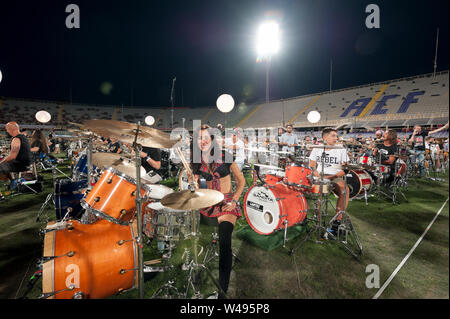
x=84, y=261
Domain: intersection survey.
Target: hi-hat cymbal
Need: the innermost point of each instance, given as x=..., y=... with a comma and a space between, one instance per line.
x=126, y=132
x=118, y=162
x=188, y=200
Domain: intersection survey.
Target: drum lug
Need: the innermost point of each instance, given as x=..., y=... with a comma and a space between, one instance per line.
x=109, y=181
x=50, y=294
x=49, y=258
x=78, y=295
x=124, y=271
x=123, y=212
x=97, y=199
x=121, y=242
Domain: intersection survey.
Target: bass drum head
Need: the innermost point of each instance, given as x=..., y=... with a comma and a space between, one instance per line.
x=262, y=210
x=354, y=184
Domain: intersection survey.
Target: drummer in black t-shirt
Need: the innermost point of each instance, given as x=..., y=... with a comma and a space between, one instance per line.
x=20, y=156
x=151, y=161
x=387, y=150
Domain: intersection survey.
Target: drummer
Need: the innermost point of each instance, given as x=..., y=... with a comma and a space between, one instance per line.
x=218, y=177
x=151, y=162
x=333, y=170
x=388, y=149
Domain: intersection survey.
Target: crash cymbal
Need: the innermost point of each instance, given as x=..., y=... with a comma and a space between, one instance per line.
x=187, y=200
x=126, y=132
x=108, y=159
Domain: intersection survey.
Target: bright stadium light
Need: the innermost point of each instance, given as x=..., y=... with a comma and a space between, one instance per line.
x=1, y=76
x=149, y=120
x=313, y=117
x=268, y=44
x=43, y=117
x=225, y=103
x=268, y=40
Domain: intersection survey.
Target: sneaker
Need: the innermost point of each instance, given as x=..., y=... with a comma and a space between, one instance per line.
x=335, y=226
x=215, y=295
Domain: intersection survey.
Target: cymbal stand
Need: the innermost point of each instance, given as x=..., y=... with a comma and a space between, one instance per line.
x=318, y=227
x=194, y=266
x=346, y=227
x=168, y=290
x=139, y=200
x=397, y=184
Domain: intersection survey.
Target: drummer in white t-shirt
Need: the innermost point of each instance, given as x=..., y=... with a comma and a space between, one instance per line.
x=333, y=160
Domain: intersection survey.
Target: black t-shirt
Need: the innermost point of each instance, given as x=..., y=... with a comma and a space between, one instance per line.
x=24, y=157
x=419, y=141
x=155, y=155
x=386, y=151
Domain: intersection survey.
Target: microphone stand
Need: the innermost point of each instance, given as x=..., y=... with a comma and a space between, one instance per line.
x=137, y=149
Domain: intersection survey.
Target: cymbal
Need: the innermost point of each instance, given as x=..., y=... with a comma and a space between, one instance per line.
x=257, y=150
x=126, y=132
x=269, y=167
x=188, y=200
x=118, y=162
x=327, y=146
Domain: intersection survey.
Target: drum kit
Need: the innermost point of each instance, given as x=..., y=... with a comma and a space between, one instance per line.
x=281, y=201
x=100, y=253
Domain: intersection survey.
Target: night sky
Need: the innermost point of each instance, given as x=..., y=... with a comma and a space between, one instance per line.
x=140, y=46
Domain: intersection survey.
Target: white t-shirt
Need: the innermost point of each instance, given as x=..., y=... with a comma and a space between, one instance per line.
x=333, y=160
x=240, y=150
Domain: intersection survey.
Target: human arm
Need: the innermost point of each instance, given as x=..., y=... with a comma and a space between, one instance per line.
x=15, y=148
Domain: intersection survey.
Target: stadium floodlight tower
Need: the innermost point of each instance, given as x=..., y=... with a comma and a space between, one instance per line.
x=268, y=44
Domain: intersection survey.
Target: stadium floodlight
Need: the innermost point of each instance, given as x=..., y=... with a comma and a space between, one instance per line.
x=43, y=116
x=268, y=44
x=313, y=117
x=149, y=120
x=268, y=40
x=1, y=76
x=225, y=103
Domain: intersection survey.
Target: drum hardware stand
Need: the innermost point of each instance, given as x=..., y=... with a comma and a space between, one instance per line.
x=346, y=222
x=139, y=240
x=50, y=197
x=194, y=266
x=378, y=192
x=168, y=289
x=318, y=227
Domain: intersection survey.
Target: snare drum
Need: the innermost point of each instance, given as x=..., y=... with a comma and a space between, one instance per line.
x=358, y=182
x=113, y=197
x=298, y=176
x=97, y=261
x=268, y=209
x=165, y=223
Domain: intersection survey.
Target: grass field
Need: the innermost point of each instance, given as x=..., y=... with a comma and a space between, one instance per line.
x=316, y=270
